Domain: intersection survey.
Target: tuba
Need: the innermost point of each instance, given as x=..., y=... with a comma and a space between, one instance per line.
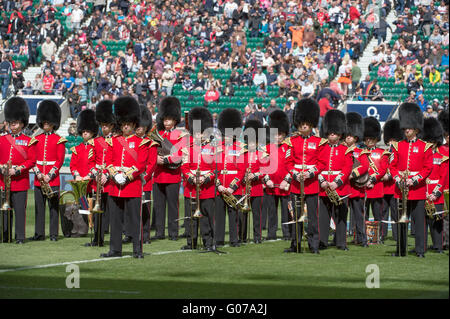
x=79, y=190
x=165, y=146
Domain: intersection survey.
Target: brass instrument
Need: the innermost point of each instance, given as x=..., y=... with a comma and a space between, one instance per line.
x=6, y=194
x=430, y=209
x=165, y=146
x=197, y=212
x=334, y=196
x=97, y=209
x=303, y=216
x=47, y=190
x=245, y=207
x=403, y=203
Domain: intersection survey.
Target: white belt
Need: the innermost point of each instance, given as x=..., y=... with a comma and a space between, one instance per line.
x=304, y=166
x=433, y=181
x=228, y=172
x=201, y=172
x=410, y=173
x=98, y=166
x=122, y=168
x=330, y=173
x=43, y=163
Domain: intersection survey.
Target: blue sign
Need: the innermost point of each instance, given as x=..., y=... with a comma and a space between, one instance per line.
x=34, y=101
x=380, y=110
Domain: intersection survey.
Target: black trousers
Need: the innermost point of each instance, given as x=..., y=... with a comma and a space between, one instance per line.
x=257, y=208
x=416, y=209
x=40, y=203
x=126, y=209
x=436, y=227
x=312, y=205
x=390, y=204
x=233, y=226
x=264, y=212
x=205, y=223
x=166, y=195
x=146, y=211
x=18, y=202
x=272, y=202
x=101, y=220
x=359, y=217
x=339, y=214
x=376, y=204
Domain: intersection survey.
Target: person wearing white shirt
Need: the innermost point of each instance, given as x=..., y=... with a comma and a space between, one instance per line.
x=267, y=60
x=229, y=8
x=76, y=17
x=322, y=73
x=259, y=78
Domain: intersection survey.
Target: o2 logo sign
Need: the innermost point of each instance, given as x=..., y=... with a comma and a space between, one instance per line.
x=373, y=111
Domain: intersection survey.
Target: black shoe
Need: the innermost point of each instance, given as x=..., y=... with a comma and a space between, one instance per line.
x=343, y=248
x=111, y=254
x=322, y=246
x=412, y=251
x=93, y=244
x=147, y=241
x=235, y=245
x=53, y=238
x=290, y=250
x=36, y=237
x=20, y=241
x=257, y=241
x=365, y=245
x=220, y=244
x=315, y=251
x=127, y=240
x=157, y=237
x=173, y=238
x=438, y=251
x=420, y=255
x=183, y=236
x=186, y=247
x=286, y=238
x=270, y=238
x=138, y=255
x=332, y=244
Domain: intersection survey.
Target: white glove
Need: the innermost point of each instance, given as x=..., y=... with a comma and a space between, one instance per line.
x=120, y=179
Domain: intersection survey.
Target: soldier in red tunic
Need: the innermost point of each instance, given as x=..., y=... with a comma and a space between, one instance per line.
x=277, y=176
x=16, y=151
x=199, y=163
x=105, y=119
x=378, y=165
x=50, y=152
x=391, y=133
x=354, y=135
x=411, y=164
x=303, y=165
x=335, y=166
x=443, y=119
x=231, y=170
x=125, y=162
x=167, y=176
x=433, y=133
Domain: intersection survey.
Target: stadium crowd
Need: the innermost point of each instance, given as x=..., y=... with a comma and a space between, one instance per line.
x=144, y=48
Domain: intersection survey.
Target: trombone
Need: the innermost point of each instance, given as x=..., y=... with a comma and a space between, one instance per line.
x=6, y=203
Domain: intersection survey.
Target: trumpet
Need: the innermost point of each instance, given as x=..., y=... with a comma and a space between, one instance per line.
x=47, y=190
x=334, y=197
x=430, y=209
x=197, y=212
x=6, y=194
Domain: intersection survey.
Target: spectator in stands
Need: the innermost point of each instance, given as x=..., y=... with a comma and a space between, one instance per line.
x=28, y=89
x=260, y=78
x=435, y=76
x=212, y=95
x=5, y=75
x=228, y=89
x=69, y=82
x=168, y=80
x=356, y=75
x=383, y=70
x=324, y=105
x=261, y=90
x=48, y=49
x=48, y=81
x=422, y=102
x=429, y=112
x=74, y=101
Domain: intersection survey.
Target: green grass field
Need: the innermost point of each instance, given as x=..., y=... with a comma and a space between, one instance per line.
x=250, y=271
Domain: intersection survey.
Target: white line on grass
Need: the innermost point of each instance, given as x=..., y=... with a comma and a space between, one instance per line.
x=74, y=290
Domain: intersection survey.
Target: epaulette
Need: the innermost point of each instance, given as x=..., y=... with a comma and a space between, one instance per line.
x=428, y=145
x=287, y=141
x=153, y=143
x=350, y=149
x=364, y=151
x=144, y=141
x=73, y=150
x=32, y=141
x=395, y=145
x=386, y=152
x=91, y=142
x=185, y=150
x=183, y=133
x=244, y=150
x=242, y=145
x=264, y=154
x=109, y=141
x=323, y=141
x=62, y=140
x=444, y=158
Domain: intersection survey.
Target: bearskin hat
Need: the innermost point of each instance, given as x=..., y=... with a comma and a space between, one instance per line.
x=432, y=131
x=126, y=110
x=48, y=111
x=229, y=119
x=410, y=116
x=255, y=125
x=203, y=115
x=278, y=119
x=104, y=113
x=355, y=125
x=146, y=118
x=306, y=111
x=443, y=119
x=169, y=107
x=372, y=128
x=86, y=122
x=333, y=122
x=16, y=109
x=392, y=131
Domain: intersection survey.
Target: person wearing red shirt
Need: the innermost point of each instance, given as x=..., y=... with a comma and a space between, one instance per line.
x=354, y=135
x=391, y=134
x=48, y=80
x=378, y=165
x=199, y=158
x=212, y=95
x=50, y=152
x=231, y=170
x=303, y=165
x=443, y=119
x=411, y=165
x=125, y=162
x=83, y=158
x=277, y=177
x=167, y=176
x=434, y=134
x=335, y=166
x=16, y=151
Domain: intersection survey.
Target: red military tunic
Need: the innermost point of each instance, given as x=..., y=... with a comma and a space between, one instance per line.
x=83, y=161
x=445, y=179
x=202, y=158
x=21, y=156
x=101, y=147
x=50, y=152
x=165, y=175
x=335, y=164
x=253, y=161
x=276, y=167
x=436, y=180
x=127, y=155
x=378, y=165
x=231, y=166
x=360, y=155
x=151, y=166
x=304, y=158
x=416, y=157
